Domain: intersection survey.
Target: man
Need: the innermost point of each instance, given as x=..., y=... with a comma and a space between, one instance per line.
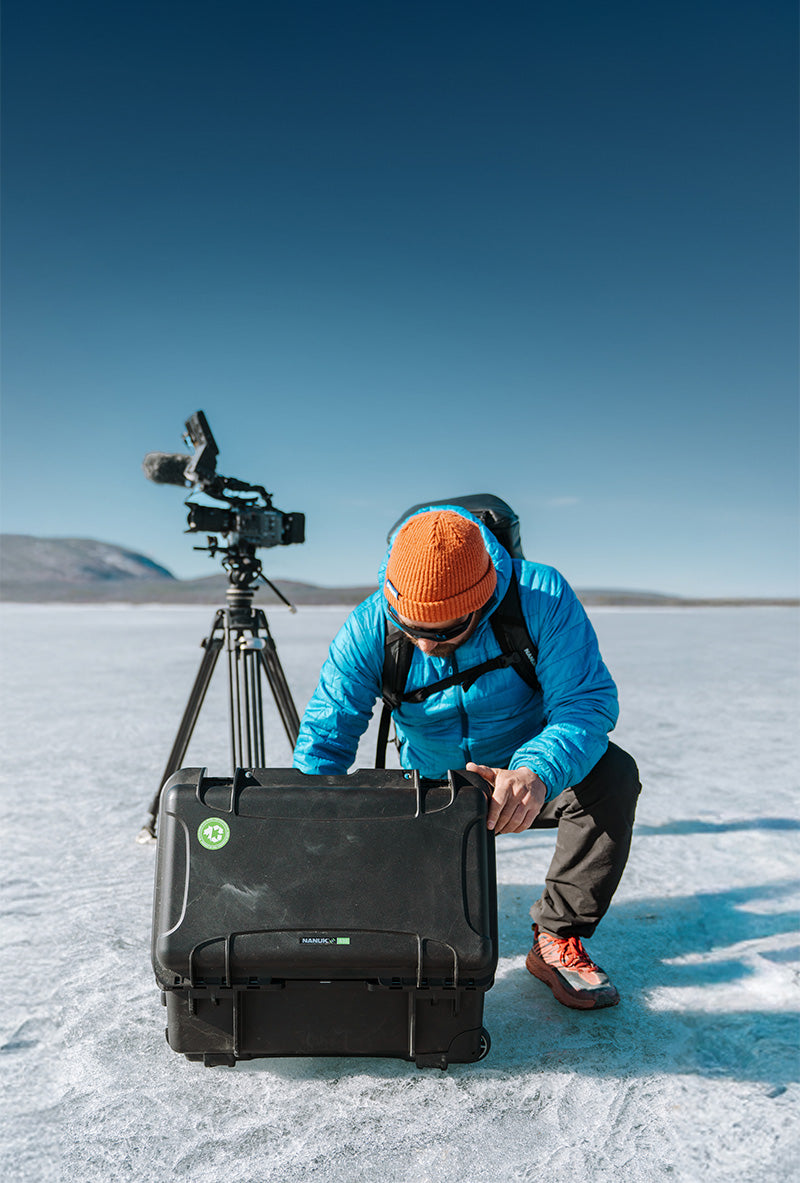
x=544, y=752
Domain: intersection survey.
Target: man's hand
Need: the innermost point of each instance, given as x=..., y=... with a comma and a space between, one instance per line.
x=516, y=800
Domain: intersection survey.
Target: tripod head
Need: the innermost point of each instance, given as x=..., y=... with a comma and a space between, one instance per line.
x=247, y=519
x=240, y=561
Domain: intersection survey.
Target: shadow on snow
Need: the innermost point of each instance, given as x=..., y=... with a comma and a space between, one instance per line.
x=713, y=936
x=696, y=826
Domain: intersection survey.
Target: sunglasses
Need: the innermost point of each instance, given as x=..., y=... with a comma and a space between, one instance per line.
x=431, y=634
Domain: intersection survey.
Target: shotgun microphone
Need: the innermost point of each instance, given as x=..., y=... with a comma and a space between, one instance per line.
x=166, y=468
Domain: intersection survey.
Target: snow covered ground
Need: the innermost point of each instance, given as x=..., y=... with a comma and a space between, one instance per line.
x=694, y=1076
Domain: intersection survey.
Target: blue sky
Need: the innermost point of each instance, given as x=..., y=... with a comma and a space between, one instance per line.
x=407, y=251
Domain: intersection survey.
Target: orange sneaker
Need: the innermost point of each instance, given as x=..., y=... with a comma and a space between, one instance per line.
x=563, y=964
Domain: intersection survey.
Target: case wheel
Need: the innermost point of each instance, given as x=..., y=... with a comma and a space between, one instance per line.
x=456, y=1054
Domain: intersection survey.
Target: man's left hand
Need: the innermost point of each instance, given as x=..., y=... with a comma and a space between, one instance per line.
x=517, y=797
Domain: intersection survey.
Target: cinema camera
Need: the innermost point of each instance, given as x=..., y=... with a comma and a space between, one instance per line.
x=247, y=520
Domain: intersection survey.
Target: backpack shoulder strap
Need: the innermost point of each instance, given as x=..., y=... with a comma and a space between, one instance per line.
x=513, y=637
x=398, y=652
x=397, y=655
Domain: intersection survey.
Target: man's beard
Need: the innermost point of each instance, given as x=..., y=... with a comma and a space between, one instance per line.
x=443, y=649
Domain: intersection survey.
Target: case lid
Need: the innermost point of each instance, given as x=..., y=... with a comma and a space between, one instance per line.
x=273, y=874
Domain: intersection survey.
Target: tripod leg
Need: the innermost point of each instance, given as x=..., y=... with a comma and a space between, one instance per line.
x=256, y=716
x=280, y=690
x=246, y=704
x=276, y=677
x=235, y=706
x=212, y=646
x=196, y=699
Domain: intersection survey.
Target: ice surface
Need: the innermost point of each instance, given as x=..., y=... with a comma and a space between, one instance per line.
x=694, y=1076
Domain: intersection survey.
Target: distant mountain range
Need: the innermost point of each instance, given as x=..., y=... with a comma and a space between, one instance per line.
x=82, y=570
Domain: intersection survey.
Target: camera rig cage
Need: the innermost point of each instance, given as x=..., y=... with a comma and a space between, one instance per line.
x=248, y=519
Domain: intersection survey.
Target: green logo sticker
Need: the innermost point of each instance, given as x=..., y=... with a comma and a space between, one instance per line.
x=213, y=833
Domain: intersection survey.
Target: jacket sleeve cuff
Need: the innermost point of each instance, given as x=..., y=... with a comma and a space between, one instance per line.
x=559, y=774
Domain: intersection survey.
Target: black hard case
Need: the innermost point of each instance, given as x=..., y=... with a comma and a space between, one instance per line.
x=345, y=916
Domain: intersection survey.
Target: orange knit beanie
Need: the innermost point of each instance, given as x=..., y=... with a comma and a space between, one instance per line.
x=439, y=568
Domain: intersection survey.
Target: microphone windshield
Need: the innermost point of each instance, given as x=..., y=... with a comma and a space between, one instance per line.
x=165, y=468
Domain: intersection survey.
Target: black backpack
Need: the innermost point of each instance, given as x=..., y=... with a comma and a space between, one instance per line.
x=510, y=630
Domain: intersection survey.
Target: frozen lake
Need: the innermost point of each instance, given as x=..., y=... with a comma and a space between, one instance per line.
x=694, y=1076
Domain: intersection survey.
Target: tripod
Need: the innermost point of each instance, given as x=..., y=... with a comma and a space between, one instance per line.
x=243, y=632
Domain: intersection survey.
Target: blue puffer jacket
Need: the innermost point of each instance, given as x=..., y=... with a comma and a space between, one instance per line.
x=560, y=732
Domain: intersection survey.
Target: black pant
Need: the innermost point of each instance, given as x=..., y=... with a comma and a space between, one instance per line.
x=595, y=822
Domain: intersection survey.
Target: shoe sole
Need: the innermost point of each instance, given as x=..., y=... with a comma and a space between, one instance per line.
x=550, y=977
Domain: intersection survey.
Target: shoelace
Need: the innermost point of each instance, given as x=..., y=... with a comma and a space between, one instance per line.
x=571, y=952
